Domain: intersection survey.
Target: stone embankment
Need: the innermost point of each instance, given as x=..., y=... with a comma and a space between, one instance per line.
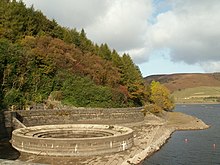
x=153, y=147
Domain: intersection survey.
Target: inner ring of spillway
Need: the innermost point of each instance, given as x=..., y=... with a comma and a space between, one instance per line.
x=72, y=134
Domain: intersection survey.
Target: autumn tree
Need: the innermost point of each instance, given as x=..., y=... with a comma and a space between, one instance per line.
x=161, y=96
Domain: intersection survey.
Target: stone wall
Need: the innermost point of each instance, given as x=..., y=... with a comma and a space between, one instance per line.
x=17, y=124
x=75, y=116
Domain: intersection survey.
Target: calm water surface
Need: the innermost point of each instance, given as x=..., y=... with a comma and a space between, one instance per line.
x=192, y=147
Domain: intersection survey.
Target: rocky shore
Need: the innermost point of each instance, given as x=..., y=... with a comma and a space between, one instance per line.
x=149, y=136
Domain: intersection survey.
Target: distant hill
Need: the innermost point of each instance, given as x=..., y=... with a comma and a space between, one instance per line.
x=191, y=87
x=181, y=81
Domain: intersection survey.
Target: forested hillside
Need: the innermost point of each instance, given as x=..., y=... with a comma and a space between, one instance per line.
x=40, y=60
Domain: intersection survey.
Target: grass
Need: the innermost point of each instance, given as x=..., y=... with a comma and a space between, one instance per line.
x=182, y=121
x=198, y=95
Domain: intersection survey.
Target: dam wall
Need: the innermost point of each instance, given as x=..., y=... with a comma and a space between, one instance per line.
x=75, y=116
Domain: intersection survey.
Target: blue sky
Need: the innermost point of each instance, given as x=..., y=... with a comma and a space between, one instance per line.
x=161, y=65
x=146, y=29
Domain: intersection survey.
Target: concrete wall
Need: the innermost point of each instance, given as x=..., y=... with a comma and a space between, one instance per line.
x=75, y=116
x=25, y=140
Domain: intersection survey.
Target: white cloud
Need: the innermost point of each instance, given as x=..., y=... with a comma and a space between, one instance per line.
x=72, y=13
x=139, y=55
x=211, y=66
x=191, y=30
x=124, y=25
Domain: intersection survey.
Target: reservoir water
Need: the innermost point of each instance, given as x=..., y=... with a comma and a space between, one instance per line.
x=192, y=147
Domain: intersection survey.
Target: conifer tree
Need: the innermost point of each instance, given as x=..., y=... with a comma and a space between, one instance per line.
x=105, y=52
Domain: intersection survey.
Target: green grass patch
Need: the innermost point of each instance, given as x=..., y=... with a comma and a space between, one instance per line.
x=198, y=95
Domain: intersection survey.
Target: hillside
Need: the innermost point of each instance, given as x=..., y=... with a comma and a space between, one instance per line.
x=176, y=82
x=43, y=62
x=191, y=87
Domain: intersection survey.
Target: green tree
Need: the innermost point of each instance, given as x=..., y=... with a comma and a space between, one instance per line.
x=71, y=36
x=130, y=72
x=82, y=92
x=104, y=52
x=132, y=78
x=116, y=59
x=4, y=44
x=11, y=74
x=85, y=45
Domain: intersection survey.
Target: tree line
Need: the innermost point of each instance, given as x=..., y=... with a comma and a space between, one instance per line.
x=40, y=59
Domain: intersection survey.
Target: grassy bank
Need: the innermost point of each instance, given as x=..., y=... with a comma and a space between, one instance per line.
x=198, y=95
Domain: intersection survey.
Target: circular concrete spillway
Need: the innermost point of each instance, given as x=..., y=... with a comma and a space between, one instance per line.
x=72, y=139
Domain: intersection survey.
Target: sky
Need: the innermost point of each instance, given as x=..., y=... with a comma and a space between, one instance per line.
x=161, y=36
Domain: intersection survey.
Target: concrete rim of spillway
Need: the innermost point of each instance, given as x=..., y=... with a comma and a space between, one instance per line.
x=72, y=139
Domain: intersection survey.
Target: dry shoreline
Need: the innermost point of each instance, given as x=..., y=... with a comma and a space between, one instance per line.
x=150, y=135
x=175, y=121
x=196, y=103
